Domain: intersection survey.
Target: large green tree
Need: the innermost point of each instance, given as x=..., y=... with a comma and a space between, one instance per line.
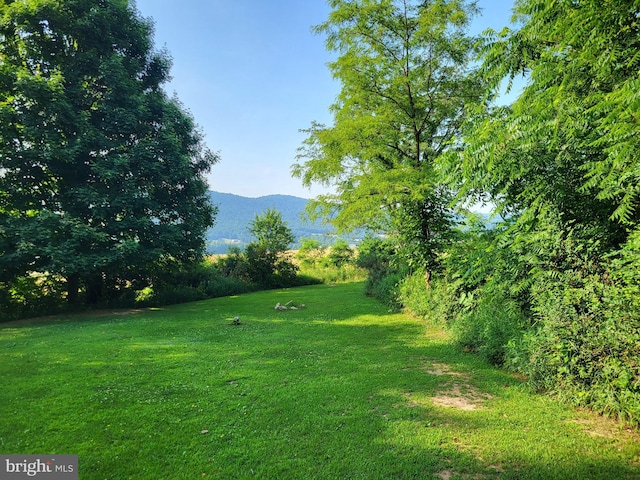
x=406, y=76
x=563, y=162
x=101, y=174
x=569, y=143
x=268, y=265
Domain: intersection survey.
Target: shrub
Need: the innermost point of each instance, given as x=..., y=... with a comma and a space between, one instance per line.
x=385, y=289
x=340, y=253
x=376, y=255
x=552, y=304
x=585, y=346
x=233, y=265
x=335, y=264
x=192, y=283
x=172, y=294
x=31, y=296
x=310, y=253
x=437, y=303
x=494, y=321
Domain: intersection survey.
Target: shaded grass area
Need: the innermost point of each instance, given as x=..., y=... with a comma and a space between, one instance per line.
x=339, y=389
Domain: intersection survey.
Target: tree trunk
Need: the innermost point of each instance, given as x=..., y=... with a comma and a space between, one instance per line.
x=73, y=285
x=95, y=289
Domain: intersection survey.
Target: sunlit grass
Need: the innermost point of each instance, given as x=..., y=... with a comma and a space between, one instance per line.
x=339, y=389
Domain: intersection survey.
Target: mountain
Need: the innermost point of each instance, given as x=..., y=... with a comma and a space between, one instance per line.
x=236, y=212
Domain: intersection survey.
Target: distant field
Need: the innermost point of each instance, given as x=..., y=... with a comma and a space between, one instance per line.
x=339, y=389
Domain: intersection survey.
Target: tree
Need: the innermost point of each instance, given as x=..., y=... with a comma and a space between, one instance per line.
x=266, y=264
x=271, y=231
x=406, y=78
x=101, y=174
x=563, y=162
x=569, y=142
x=542, y=160
x=340, y=253
x=310, y=252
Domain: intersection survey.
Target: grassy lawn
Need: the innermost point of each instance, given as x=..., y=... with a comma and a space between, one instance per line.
x=339, y=389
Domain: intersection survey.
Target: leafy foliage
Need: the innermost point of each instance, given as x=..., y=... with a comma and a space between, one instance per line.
x=376, y=256
x=404, y=69
x=552, y=290
x=310, y=252
x=264, y=262
x=271, y=231
x=561, y=164
x=340, y=253
x=194, y=282
x=337, y=263
x=267, y=264
x=101, y=173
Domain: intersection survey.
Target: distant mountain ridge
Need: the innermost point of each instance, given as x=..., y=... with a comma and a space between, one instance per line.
x=235, y=212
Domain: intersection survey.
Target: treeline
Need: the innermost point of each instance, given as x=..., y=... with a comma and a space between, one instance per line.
x=553, y=290
x=102, y=174
x=103, y=199
x=266, y=262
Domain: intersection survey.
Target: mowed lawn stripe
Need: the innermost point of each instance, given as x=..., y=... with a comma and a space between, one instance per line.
x=339, y=389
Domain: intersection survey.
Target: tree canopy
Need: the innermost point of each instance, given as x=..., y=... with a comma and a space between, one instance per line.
x=271, y=231
x=406, y=77
x=547, y=292
x=568, y=143
x=266, y=262
x=101, y=173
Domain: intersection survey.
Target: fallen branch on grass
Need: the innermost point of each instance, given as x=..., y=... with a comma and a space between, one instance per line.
x=289, y=306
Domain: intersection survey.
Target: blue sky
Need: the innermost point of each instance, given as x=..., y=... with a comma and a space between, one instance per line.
x=253, y=74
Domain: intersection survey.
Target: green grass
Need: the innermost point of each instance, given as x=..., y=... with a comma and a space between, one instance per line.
x=340, y=389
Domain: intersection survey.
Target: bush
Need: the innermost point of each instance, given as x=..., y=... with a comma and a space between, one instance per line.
x=494, y=322
x=385, y=289
x=437, y=303
x=586, y=345
x=383, y=277
x=31, y=296
x=173, y=294
x=336, y=264
x=328, y=274
x=196, y=282
x=374, y=255
x=551, y=304
x=233, y=265
x=325, y=272
x=311, y=252
x=340, y=253
x=220, y=286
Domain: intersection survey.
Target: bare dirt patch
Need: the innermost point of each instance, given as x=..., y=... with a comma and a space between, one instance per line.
x=462, y=397
x=460, y=393
x=598, y=426
x=448, y=474
x=440, y=369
